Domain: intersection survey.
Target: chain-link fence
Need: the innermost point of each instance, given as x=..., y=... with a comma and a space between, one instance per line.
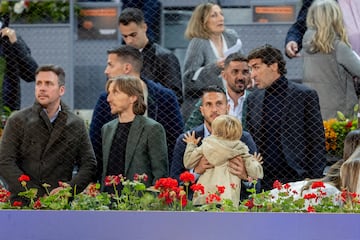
x=79, y=39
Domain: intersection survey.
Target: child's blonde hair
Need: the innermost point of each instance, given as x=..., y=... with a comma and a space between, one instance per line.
x=226, y=127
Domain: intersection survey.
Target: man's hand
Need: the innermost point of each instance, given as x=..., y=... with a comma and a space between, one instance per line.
x=292, y=49
x=237, y=167
x=202, y=166
x=10, y=33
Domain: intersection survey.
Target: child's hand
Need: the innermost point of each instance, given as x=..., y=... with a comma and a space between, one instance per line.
x=190, y=138
x=258, y=157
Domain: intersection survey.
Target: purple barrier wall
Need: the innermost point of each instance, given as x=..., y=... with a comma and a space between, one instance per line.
x=111, y=225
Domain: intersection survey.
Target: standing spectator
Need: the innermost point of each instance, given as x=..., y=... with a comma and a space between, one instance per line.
x=351, y=15
x=329, y=62
x=159, y=65
x=15, y=63
x=205, y=54
x=222, y=146
x=152, y=16
x=162, y=105
x=46, y=141
x=236, y=75
x=285, y=120
x=132, y=144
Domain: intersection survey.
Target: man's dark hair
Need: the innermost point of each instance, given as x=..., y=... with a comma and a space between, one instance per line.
x=130, y=55
x=59, y=71
x=269, y=55
x=235, y=57
x=129, y=15
x=212, y=88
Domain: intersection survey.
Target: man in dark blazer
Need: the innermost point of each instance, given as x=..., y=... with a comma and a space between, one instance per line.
x=214, y=103
x=162, y=105
x=285, y=121
x=159, y=64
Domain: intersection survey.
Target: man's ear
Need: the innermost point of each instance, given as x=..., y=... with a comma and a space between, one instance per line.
x=274, y=67
x=128, y=68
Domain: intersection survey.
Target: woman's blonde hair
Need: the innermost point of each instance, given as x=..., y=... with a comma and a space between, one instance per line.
x=325, y=17
x=131, y=86
x=226, y=127
x=196, y=27
x=351, y=143
x=349, y=172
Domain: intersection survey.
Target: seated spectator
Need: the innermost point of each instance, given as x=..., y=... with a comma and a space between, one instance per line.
x=132, y=144
x=214, y=104
x=46, y=141
x=218, y=149
x=162, y=105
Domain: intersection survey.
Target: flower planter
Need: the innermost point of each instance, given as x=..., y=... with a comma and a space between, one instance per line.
x=95, y=225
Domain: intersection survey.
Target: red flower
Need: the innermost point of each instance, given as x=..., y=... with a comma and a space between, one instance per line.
x=187, y=177
x=166, y=183
x=233, y=185
x=310, y=196
x=198, y=187
x=37, y=204
x=4, y=195
x=213, y=197
x=349, y=124
x=317, y=185
x=136, y=176
x=250, y=203
x=24, y=178
x=310, y=209
x=287, y=186
x=112, y=179
x=17, y=204
x=277, y=184
x=221, y=189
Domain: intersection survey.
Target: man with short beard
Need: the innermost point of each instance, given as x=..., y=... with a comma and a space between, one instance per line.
x=236, y=77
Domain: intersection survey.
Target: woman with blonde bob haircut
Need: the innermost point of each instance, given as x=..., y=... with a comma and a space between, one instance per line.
x=330, y=64
x=221, y=146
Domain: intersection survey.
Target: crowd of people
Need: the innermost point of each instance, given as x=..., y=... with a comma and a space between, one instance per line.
x=244, y=119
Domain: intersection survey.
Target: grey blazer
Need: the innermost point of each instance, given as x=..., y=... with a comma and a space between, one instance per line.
x=200, y=54
x=146, y=150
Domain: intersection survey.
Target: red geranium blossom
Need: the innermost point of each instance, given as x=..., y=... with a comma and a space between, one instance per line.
x=17, y=204
x=221, y=189
x=287, y=186
x=198, y=187
x=318, y=184
x=310, y=196
x=4, y=195
x=250, y=203
x=24, y=178
x=277, y=184
x=37, y=204
x=213, y=197
x=310, y=209
x=112, y=179
x=187, y=177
